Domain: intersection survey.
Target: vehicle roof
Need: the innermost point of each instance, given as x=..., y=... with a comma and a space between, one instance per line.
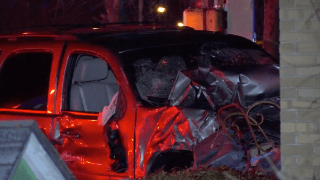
x=120, y=37
x=124, y=42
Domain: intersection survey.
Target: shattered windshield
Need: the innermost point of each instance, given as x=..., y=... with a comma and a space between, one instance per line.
x=154, y=79
x=152, y=71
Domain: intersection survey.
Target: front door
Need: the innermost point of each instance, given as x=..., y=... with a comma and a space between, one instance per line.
x=90, y=78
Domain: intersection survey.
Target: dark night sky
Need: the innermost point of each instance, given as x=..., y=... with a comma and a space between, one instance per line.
x=28, y=13
x=22, y=13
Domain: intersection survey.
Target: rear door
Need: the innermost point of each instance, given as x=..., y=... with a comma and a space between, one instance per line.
x=79, y=101
x=27, y=81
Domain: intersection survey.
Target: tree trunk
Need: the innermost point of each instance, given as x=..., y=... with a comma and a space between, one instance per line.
x=112, y=9
x=140, y=10
x=271, y=27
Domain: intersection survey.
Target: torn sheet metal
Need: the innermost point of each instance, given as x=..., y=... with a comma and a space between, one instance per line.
x=190, y=120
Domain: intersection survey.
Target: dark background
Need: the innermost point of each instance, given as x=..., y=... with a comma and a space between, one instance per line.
x=33, y=13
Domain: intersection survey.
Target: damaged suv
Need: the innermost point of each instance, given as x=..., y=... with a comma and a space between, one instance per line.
x=123, y=101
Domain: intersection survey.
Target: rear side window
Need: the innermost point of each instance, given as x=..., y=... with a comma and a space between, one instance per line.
x=24, y=81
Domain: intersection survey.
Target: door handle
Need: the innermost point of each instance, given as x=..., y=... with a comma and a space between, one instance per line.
x=67, y=134
x=59, y=141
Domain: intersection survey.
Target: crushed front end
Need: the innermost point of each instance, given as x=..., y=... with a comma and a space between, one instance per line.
x=205, y=104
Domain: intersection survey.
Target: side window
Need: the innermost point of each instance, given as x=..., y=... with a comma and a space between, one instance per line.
x=91, y=84
x=24, y=81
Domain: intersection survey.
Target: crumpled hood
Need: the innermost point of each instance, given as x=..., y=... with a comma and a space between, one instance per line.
x=226, y=83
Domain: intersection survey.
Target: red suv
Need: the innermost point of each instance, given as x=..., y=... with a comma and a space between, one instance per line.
x=122, y=101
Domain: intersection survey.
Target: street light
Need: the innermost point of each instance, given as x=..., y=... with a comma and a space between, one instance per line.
x=180, y=24
x=161, y=9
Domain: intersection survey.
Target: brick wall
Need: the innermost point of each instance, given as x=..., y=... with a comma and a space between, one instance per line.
x=300, y=87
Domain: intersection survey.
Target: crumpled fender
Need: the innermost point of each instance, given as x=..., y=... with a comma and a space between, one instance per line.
x=169, y=127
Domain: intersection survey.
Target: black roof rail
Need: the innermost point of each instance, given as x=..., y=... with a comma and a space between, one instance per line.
x=58, y=28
